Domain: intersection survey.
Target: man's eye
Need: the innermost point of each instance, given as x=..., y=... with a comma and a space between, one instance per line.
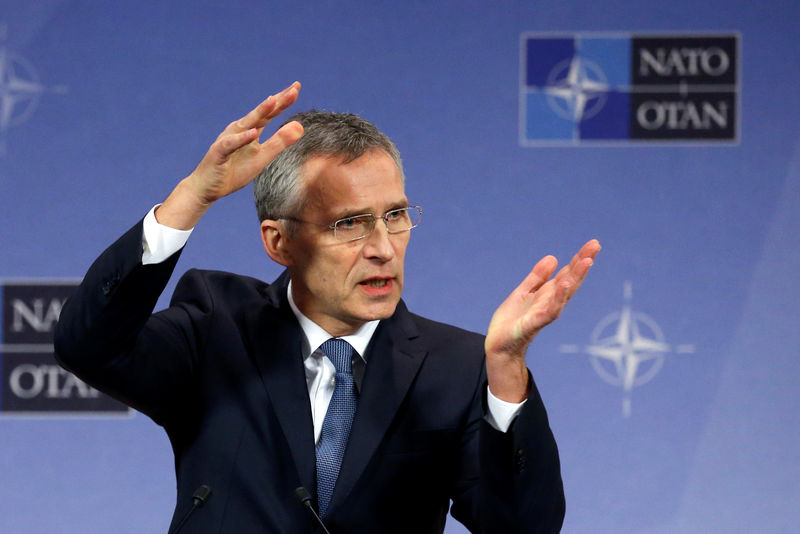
x=396, y=215
x=350, y=223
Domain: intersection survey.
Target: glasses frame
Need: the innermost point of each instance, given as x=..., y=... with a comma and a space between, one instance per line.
x=334, y=225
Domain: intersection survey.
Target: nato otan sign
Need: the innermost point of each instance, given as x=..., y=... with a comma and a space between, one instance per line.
x=32, y=381
x=589, y=89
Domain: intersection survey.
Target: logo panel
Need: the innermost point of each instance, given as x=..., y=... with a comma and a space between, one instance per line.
x=32, y=381
x=586, y=89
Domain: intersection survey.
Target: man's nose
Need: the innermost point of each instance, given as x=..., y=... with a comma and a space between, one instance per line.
x=378, y=243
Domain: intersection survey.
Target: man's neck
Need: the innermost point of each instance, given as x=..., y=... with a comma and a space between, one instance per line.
x=315, y=333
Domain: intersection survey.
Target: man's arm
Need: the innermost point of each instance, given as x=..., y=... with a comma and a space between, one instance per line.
x=535, y=303
x=521, y=488
x=106, y=333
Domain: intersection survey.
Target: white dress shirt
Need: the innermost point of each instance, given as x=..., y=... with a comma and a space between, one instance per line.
x=159, y=242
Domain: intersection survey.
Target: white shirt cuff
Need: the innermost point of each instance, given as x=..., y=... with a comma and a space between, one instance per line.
x=501, y=414
x=159, y=242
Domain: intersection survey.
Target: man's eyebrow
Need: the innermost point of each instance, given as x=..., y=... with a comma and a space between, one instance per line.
x=401, y=204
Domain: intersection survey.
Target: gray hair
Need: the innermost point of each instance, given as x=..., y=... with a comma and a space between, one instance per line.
x=278, y=189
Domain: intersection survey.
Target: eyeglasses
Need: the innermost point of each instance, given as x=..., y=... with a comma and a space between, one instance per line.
x=360, y=226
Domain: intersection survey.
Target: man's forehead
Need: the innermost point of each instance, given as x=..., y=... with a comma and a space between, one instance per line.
x=316, y=161
x=331, y=177
x=337, y=193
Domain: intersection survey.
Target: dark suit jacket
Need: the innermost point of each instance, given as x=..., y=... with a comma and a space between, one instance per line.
x=221, y=371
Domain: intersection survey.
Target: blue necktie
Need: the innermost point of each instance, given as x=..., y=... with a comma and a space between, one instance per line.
x=337, y=423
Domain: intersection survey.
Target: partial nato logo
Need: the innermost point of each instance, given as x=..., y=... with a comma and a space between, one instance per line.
x=627, y=349
x=20, y=88
x=32, y=381
x=597, y=88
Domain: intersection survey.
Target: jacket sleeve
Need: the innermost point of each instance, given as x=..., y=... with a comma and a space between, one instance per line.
x=107, y=334
x=518, y=487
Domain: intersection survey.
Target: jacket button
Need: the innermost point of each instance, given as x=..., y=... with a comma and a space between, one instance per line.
x=110, y=285
x=521, y=461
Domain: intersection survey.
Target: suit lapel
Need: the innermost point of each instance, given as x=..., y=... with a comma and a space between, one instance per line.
x=393, y=360
x=393, y=357
x=275, y=343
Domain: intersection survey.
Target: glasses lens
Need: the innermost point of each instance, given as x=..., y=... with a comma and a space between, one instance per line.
x=403, y=219
x=353, y=227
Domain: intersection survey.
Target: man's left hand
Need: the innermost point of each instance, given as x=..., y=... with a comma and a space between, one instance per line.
x=535, y=303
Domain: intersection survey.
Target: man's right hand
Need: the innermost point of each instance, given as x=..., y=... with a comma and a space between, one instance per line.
x=232, y=161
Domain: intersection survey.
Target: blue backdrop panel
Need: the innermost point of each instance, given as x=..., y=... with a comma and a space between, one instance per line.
x=105, y=106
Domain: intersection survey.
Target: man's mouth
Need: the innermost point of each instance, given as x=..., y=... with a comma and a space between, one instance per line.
x=376, y=282
x=377, y=286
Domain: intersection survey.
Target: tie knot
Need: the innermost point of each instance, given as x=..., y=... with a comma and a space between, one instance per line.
x=340, y=353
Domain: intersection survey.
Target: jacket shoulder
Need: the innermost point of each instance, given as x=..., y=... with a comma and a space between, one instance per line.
x=449, y=339
x=208, y=289
x=429, y=326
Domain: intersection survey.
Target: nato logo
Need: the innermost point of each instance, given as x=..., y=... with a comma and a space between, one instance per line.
x=585, y=89
x=627, y=349
x=32, y=381
x=20, y=88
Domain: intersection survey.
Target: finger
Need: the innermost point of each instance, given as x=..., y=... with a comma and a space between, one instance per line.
x=227, y=144
x=540, y=274
x=589, y=249
x=561, y=290
x=253, y=118
x=280, y=140
x=268, y=109
x=275, y=105
x=286, y=98
x=571, y=278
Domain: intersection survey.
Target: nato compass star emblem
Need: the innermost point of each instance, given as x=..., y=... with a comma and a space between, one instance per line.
x=576, y=89
x=627, y=349
x=20, y=89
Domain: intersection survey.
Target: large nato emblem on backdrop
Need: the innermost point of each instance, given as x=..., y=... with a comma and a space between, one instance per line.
x=20, y=88
x=32, y=382
x=584, y=89
x=627, y=349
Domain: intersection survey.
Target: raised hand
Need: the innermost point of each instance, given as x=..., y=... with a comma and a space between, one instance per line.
x=535, y=303
x=233, y=161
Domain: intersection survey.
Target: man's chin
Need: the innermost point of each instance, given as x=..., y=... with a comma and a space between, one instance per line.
x=377, y=311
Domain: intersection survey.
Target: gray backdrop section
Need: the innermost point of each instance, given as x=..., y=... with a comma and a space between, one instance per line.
x=705, y=235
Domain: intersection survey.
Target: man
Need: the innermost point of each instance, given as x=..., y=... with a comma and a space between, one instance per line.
x=322, y=380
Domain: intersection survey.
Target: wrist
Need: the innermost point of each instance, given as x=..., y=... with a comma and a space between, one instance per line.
x=183, y=208
x=508, y=377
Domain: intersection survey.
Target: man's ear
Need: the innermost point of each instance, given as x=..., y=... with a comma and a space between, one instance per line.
x=274, y=237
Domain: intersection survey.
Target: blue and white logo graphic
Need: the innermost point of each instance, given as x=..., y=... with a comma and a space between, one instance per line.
x=20, y=89
x=627, y=349
x=585, y=89
x=576, y=89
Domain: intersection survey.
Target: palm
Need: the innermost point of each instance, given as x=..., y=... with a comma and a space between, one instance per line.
x=236, y=156
x=536, y=302
x=520, y=317
x=234, y=171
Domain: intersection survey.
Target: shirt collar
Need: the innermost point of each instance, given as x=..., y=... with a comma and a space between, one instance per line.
x=315, y=335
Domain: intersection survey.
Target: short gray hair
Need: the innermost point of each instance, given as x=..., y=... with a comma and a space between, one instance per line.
x=278, y=189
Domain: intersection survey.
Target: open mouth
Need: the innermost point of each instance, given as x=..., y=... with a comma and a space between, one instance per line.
x=376, y=282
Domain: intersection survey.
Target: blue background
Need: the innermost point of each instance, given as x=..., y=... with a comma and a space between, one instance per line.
x=706, y=235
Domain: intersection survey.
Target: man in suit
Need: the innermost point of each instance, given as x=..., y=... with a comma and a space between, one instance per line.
x=323, y=379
